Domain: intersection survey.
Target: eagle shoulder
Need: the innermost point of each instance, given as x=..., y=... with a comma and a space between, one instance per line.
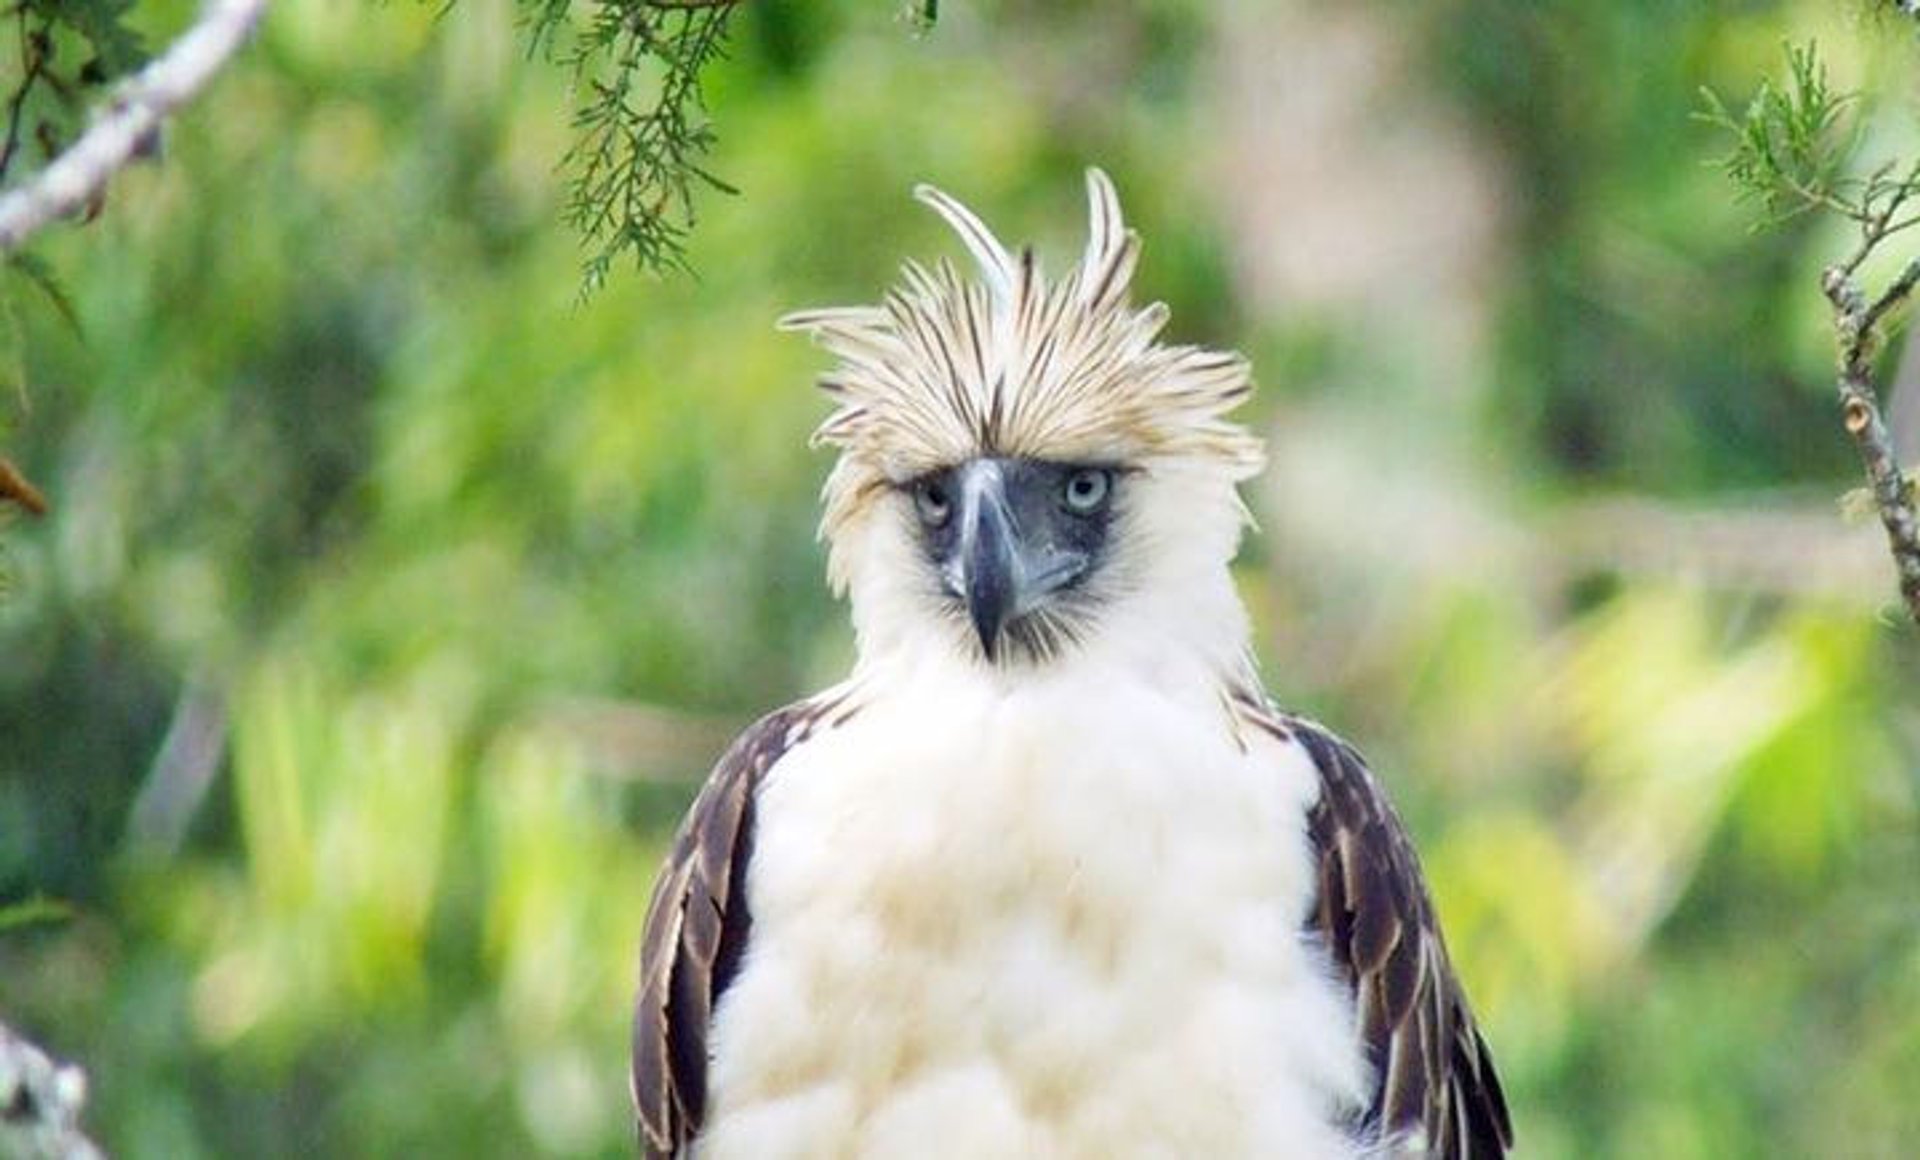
x=697, y=927
x=1434, y=1075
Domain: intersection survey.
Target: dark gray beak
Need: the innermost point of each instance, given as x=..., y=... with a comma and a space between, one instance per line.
x=1013, y=550
x=988, y=559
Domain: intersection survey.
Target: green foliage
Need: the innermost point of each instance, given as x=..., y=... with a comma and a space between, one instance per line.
x=638, y=161
x=34, y=911
x=1903, y=7
x=67, y=51
x=112, y=48
x=37, y=273
x=416, y=600
x=31, y=279
x=1795, y=148
x=1785, y=157
x=923, y=14
x=1792, y=144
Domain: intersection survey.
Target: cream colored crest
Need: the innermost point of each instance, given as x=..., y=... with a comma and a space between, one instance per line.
x=946, y=369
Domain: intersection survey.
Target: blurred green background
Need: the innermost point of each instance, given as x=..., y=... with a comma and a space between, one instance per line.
x=392, y=603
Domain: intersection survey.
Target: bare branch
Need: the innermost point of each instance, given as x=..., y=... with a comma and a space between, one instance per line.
x=1857, y=322
x=1895, y=295
x=1792, y=152
x=42, y=1101
x=14, y=488
x=132, y=117
x=182, y=772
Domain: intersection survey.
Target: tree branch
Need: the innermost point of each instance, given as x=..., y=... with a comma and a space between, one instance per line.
x=14, y=488
x=41, y=1103
x=1857, y=323
x=132, y=117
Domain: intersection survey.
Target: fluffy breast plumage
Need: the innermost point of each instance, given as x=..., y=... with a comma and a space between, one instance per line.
x=1033, y=923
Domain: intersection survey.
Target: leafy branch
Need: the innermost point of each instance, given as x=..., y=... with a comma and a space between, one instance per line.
x=638, y=163
x=75, y=177
x=65, y=50
x=640, y=157
x=1794, y=152
x=128, y=128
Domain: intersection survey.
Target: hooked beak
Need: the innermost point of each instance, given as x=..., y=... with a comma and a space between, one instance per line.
x=998, y=569
x=987, y=564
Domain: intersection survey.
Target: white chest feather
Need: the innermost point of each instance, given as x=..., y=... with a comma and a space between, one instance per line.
x=1037, y=923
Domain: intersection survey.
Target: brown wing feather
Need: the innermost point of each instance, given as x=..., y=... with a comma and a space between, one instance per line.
x=1435, y=1076
x=697, y=928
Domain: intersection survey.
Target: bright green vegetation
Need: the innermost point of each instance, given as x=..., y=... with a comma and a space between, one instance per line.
x=452, y=586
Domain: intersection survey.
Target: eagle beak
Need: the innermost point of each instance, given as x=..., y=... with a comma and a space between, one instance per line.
x=1010, y=557
x=989, y=562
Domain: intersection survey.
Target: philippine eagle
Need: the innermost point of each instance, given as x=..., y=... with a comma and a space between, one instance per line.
x=1048, y=875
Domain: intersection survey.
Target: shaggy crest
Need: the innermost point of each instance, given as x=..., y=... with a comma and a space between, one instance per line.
x=947, y=369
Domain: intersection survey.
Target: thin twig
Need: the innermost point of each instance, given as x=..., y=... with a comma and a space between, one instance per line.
x=1813, y=198
x=14, y=488
x=1896, y=293
x=78, y=175
x=1902, y=224
x=1877, y=226
x=33, y=61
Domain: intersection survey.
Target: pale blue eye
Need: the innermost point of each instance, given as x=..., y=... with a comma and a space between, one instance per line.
x=1087, y=489
x=931, y=501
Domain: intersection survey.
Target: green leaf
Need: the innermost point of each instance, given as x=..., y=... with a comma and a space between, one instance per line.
x=39, y=274
x=35, y=911
x=116, y=48
x=1793, y=144
x=635, y=170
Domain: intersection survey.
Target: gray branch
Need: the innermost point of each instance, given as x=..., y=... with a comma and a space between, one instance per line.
x=128, y=124
x=1857, y=322
x=40, y=1104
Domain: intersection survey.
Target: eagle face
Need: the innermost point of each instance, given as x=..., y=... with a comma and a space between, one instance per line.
x=1025, y=469
x=1016, y=547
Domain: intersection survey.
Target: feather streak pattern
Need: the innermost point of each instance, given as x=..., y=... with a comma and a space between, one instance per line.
x=946, y=369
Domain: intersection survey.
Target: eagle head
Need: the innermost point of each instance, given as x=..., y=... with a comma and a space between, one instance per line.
x=1024, y=466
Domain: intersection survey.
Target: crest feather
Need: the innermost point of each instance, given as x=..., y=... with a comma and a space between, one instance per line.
x=986, y=249
x=945, y=369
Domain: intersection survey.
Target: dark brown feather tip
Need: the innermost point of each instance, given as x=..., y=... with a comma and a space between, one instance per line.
x=1435, y=1077
x=698, y=926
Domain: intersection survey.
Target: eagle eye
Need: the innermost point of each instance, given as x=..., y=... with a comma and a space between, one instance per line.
x=1086, y=489
x=931, y=501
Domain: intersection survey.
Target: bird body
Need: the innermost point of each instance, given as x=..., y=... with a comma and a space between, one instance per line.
x=994, y=918
x=1047, y=876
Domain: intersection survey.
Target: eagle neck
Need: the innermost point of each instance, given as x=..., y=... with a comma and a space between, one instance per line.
x=1196, y=652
